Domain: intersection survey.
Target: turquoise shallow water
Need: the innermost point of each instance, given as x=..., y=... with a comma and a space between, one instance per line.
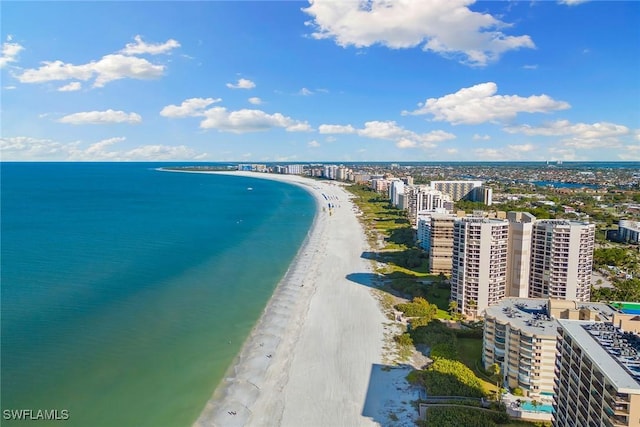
x=127, y=292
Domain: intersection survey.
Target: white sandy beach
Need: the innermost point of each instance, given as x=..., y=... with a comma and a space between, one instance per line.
x=314, y=358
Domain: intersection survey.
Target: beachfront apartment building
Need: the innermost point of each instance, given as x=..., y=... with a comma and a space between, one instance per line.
x=479, y=263
x=457, y=190
x=289, y=169
x=441, y=243
x=561, y=259
x=380, y=185
x=253, y=167
x=423, y=198
x=519, y=248
x=597, y=376
x=396, y=188
x=520, y=335
x=423, y=234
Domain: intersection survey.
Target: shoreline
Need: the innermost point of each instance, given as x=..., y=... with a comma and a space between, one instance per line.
x=241, y=385
x=314, y=357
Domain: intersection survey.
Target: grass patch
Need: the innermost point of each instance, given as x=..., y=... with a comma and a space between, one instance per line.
x=470, y=351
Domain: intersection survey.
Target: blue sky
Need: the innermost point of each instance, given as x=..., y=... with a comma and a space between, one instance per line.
x=374, y=80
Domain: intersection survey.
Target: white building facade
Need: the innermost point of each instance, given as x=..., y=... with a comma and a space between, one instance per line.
x=479, y=263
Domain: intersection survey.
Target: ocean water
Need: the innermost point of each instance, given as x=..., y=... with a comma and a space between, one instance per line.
x=127, y=291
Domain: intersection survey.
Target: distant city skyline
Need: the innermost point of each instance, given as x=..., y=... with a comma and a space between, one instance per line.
x=287, y=81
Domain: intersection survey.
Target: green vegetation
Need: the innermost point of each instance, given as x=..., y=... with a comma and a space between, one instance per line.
x=623, y=290
x=463, y=416
x=617, y=256
x=419, y=307
x=626, y=260
x=469, y=206
x=462, y=346
x=518, y=392
x=445, y=377
x=404, y=340
x=404, y=266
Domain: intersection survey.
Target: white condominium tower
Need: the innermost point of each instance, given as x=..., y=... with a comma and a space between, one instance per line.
x=456, y=189
x=423, y=198
x=396, y=188
x=479, y=268
x=561, y=259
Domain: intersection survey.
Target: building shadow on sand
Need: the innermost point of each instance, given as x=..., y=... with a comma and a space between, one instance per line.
x=389, y=395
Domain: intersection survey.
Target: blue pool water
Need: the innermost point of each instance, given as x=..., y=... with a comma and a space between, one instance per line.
x=527, y=406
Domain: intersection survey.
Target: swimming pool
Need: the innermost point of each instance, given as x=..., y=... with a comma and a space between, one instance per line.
x=626, y=307
x=527, y=406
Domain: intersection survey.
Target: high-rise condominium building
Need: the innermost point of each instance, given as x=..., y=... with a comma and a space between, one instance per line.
x=424, y=227
x=561, y=259
x=396, y=188
x=519, y=259
x=457, y=190
x=479, y=265
x=423, y=198
x=597, y=379
x=441, y=243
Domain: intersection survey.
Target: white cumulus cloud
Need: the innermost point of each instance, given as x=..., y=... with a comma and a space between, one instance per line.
x=240, y=121
x=255, y=100
x=10, y=52
x=480, y=104
x=313, y=144
x=71, y=87
x=478, y=137
x=448, y=28
x=390, y=130
x=140, y=47
x=577, y=130
x=336, y=129
x=26, y=148
x=108, y=68
x=305, y=92
x=101, y=117
x=246, y=120
x=189, y=108
x=242, y=84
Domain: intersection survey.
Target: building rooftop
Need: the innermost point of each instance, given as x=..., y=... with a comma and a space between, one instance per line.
x=565, y=222
x=614, y=352
x=531, y=315
x=527, y=314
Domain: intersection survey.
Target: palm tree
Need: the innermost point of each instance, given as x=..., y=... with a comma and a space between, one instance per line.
x=453, y=307
x=495, y=370
x=472, y=306
x=535, y=405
